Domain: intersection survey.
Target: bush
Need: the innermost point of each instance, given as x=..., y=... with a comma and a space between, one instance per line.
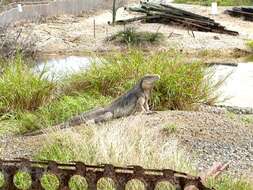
x=131, y=37
x=181, y=85
x=220, y=2
x=21, y=89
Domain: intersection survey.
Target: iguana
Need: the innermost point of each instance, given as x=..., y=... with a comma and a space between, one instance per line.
x=134, y=100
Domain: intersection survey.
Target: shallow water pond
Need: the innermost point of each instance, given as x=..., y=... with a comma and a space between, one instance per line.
x=239, y=85
x=62, y=66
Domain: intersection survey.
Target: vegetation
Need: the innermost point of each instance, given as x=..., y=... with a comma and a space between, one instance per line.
x=181, y=85
x=132, y=142
x=229, y=183
x=30, y=101
x=131, y=37
x=220, y=2
x=250, y=44
x=21, y=89
x=170, y=128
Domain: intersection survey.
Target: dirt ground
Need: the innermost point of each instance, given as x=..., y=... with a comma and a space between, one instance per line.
x=68, y=34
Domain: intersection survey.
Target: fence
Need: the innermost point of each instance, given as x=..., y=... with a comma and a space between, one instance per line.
x=32, y=11
x=91, y=175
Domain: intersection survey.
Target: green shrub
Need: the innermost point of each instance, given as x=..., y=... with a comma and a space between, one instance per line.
x=21, y=89
x=220, y=2
x=181, y=86
x=131, y=37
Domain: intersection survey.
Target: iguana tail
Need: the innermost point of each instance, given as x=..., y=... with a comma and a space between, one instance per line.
x=74, y=121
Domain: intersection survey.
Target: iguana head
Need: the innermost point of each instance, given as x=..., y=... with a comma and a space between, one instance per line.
x=148, y=81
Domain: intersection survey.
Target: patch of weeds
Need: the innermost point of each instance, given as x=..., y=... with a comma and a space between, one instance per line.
x=250, y=44
x=169, y=129
x=247, y=119
x=231, y=115
x=131, y=37
x=209, y=53
x=229, y=183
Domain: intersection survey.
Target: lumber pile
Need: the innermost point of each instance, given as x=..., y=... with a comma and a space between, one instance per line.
x=245, y=12
x=166, y=14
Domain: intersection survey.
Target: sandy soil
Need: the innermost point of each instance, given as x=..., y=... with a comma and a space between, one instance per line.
x=207, y=136
x=76, y=34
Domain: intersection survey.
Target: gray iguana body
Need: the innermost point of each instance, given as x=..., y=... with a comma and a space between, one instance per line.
x=135, y=100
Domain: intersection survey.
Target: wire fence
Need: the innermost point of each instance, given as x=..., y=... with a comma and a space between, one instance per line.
x=33, y=11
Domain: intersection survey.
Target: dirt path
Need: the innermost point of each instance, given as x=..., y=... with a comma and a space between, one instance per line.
x=208, y=136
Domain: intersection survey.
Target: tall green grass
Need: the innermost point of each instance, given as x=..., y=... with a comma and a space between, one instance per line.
x=220, y=2
x=21, y=89
x=59, y=111
x=29, y=101
x=182, y=85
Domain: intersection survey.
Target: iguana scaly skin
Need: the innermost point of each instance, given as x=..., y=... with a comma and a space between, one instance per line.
x=135, y=100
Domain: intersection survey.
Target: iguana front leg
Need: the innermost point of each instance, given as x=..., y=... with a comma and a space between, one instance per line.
x=146, y=106
x=140, y=105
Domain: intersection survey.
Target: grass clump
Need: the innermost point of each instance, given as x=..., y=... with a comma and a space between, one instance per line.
x=220, y=2
x=131, y=37
x=250, y=44
x=181, y=86
x=169, y=129
x=21, y=89
x=247, y=119
x=229, y=183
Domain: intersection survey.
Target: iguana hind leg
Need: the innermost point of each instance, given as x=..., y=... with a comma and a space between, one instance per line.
x=104, y=117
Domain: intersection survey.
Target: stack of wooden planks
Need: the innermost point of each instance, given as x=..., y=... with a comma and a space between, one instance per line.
x=245, y=12
x=166, y=14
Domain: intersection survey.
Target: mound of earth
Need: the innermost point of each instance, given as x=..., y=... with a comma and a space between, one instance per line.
x=207, y=136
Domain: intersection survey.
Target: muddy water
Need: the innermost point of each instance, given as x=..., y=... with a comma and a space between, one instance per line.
x=239, y=85
x=238, y=88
